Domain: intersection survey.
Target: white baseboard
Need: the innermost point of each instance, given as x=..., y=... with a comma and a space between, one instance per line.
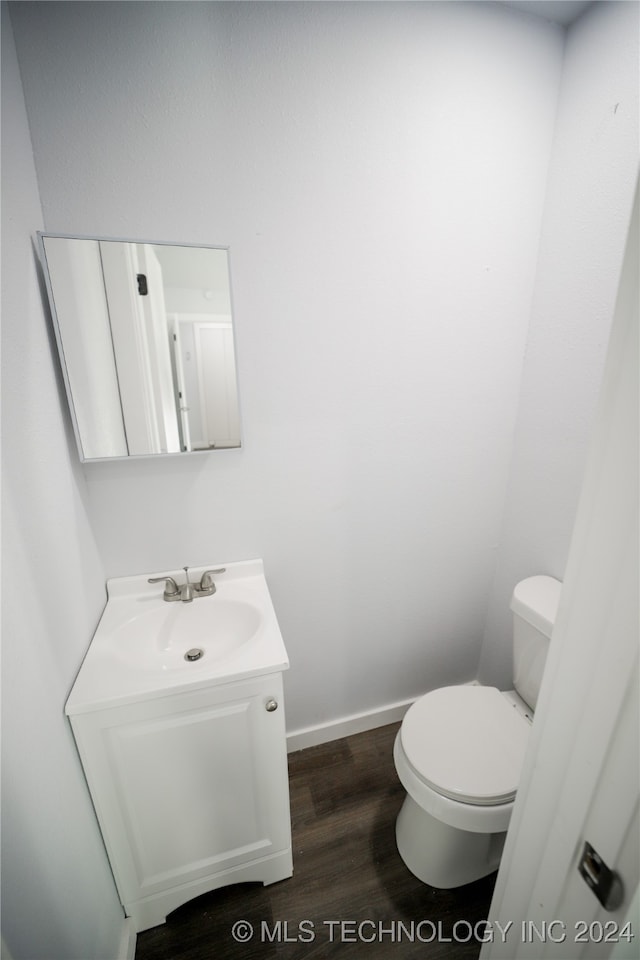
x=346, y=726
x=128, y=937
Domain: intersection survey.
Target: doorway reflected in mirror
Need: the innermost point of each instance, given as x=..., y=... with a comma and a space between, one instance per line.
x=146, y=341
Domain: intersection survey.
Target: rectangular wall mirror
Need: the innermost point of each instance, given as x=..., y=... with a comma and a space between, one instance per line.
x=146, y=342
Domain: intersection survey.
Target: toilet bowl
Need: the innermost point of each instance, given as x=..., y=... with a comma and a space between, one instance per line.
x=459, y=755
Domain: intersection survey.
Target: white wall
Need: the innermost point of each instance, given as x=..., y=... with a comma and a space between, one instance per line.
x=592, y=177
x=58, y=897
x=378, y=171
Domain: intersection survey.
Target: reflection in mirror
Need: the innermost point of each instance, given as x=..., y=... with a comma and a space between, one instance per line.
x=145, y=335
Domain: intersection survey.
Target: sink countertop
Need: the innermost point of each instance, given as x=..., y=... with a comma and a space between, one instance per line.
x=107, y=680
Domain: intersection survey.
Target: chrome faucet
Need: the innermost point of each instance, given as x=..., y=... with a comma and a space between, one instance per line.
x=188, y=591
x=187, y=588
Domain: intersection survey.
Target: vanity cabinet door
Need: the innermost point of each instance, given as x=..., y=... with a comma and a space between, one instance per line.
x=189, y=786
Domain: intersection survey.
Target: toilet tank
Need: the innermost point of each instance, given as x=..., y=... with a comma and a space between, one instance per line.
x=534, y=604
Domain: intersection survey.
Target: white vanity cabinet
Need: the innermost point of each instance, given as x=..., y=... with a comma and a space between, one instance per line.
x=191, y=791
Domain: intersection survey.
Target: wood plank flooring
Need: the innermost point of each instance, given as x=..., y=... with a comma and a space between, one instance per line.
x=350, y=895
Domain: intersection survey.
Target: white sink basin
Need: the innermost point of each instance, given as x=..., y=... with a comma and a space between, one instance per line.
x=161, y=638
x=146, y=647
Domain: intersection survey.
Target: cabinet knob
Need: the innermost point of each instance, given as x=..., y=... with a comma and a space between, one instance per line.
x=271, y=705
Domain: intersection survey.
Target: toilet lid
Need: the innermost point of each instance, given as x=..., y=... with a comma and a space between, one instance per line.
x=466, y=743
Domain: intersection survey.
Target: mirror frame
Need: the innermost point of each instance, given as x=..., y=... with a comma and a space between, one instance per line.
x=57, y=328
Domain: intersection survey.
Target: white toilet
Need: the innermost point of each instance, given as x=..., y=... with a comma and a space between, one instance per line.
x=459, y=754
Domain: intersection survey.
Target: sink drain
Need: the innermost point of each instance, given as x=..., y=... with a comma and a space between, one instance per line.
x=194, y=654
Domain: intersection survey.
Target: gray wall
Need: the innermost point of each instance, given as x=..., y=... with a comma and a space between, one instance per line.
x=592, y=175
x=58, y=897
x=379, y=173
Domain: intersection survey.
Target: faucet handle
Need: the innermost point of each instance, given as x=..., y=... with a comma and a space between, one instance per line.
x=206, y=583
x=171, y=589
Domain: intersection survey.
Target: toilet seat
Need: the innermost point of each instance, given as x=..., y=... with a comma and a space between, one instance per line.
x=466, y=743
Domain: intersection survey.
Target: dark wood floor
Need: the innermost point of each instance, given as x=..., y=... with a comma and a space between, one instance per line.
x=345, y=796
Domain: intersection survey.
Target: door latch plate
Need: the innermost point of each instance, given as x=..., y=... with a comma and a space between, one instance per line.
x=605, y=883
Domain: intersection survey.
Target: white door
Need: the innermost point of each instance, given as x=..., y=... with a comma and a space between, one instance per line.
x=581, y=781
x=154, y=314
x=217, y=382
x=140, y=336
x=119, y=267
x=180, y=381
